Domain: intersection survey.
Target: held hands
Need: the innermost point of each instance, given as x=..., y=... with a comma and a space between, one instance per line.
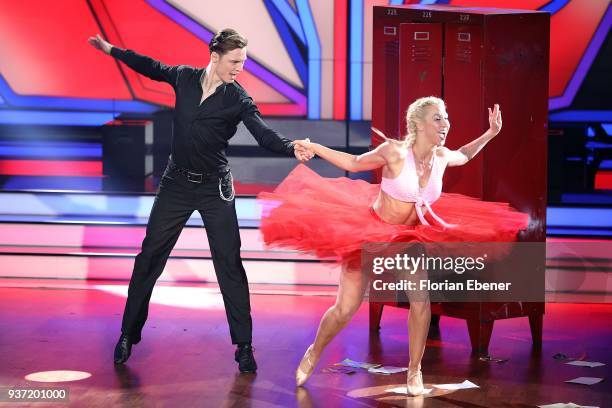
x=303, y=150
x=495, y=120
x=100, y=44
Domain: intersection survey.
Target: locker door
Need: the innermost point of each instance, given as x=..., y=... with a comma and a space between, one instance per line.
x=420, y=62
x=463, y=93
x=385, y=78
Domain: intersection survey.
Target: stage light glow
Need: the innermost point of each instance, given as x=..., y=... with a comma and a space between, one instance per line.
x=57, y=376
x=187, y=297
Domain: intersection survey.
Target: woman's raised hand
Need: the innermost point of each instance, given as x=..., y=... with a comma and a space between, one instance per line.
x=495, y=119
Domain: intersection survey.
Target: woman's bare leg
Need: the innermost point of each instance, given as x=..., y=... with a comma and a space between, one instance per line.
x=350, y=295
x=418, y=327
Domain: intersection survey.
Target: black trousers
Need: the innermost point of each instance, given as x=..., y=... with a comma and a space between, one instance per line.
x=175, y=201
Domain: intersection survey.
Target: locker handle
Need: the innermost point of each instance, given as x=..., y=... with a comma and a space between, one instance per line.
x=466, y=37
x=421, y=36
x=389, y=30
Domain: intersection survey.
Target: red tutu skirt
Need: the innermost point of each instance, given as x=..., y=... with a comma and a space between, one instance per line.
x=332, y=217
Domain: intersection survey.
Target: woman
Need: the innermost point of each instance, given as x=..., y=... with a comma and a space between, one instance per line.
x=334, y=217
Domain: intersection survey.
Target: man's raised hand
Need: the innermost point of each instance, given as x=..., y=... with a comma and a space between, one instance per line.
x=99, y=43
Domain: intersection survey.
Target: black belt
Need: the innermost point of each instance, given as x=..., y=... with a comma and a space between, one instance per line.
x=195, y=177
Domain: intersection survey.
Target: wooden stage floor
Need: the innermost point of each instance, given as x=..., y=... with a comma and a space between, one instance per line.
x=186, y=359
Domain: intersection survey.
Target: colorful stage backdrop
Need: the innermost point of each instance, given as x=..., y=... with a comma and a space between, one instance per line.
x=306, y=58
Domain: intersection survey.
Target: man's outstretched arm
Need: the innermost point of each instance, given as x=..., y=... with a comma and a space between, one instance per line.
x=267, y=137
x=142, y=64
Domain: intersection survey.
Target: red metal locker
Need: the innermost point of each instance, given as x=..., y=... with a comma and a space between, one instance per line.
x=420, y=64
x=463, y=94
x=385, y=74
x=487, y=56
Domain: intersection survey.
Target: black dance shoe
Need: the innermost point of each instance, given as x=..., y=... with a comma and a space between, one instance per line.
x=123, y=349
x=246, y=360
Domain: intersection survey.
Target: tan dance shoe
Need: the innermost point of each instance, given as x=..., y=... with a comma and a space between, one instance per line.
x=414, y=382
x=301, y=376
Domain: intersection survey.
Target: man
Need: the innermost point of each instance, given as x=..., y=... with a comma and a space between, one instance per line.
x=209, y=106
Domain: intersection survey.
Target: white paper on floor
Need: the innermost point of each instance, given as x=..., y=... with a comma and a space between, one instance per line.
x=347, y=362
x=493, y=359
x=340, y=370
x=459, y=386
x=565, y=405
x=387, y=370
x=585, y=380
x=586, y=363
x=404, y=390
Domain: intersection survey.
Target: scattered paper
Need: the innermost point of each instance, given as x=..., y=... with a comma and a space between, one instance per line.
x=493, y=359
x=404, y=390
x=357, y=364
x=565, y=405
x=585, y=380
x=581, y=363
x=387, y=370
x=459, y=386
x=339, y=370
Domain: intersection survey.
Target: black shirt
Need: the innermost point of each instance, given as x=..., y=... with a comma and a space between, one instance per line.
x=201, y=131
